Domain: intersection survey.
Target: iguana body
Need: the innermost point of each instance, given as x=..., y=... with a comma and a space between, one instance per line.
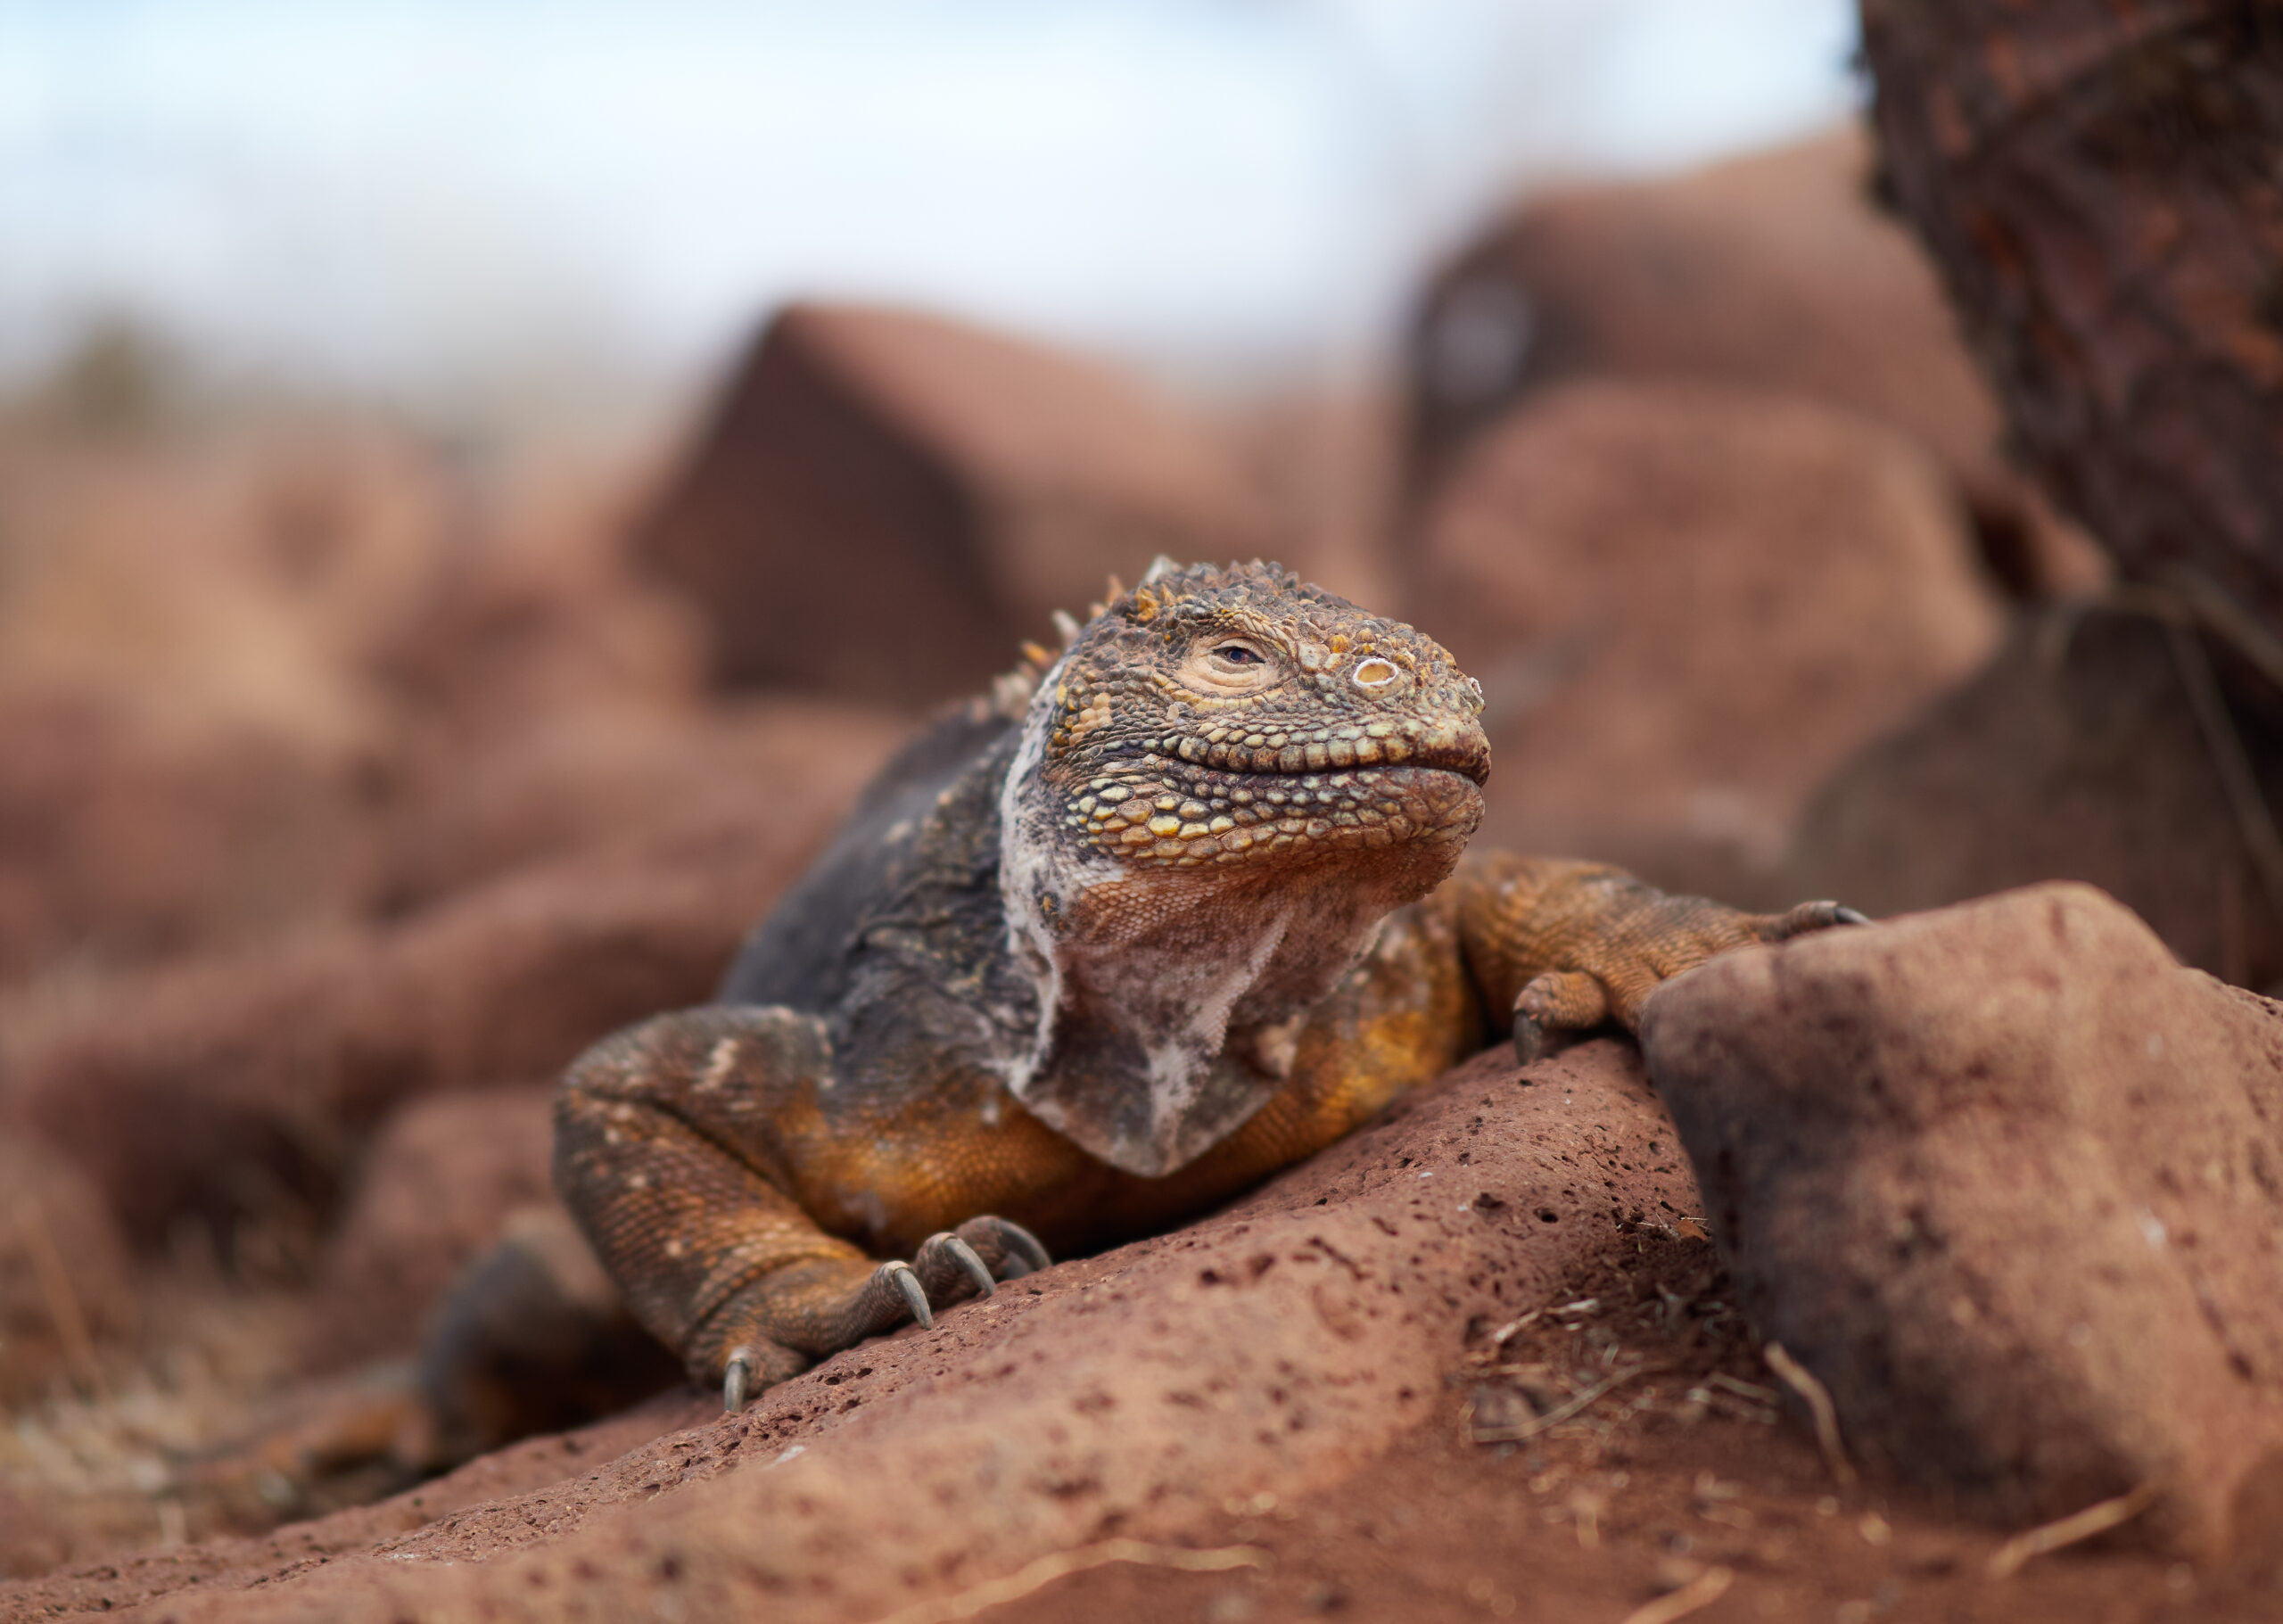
x=1087, y=961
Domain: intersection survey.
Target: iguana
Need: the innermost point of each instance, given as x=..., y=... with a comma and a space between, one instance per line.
x=1173, y=909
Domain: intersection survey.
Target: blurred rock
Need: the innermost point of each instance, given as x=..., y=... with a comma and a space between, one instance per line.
x=133, y=826
x=1779, y=271
x=2076, y=753
x=64, y=1289
x=2009, y=1182
x=885, y=504
x=239, y=1088
x=1687, y=604
x=434, y=1189
x=577, y=776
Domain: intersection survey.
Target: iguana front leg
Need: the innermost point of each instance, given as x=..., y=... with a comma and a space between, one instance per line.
x=1566, y=945
x=669, y=1153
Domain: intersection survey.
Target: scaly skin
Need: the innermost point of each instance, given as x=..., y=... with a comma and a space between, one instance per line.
x=1182, y=907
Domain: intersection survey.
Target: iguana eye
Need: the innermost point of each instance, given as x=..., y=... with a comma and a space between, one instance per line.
x=1230, y=665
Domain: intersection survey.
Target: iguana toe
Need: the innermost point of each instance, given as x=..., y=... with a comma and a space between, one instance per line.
x=1810, y=917
x=736, y=1380
x=907, y=1283
x=945, y=1264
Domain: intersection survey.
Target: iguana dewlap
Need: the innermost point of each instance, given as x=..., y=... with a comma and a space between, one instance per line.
x=1176, y=909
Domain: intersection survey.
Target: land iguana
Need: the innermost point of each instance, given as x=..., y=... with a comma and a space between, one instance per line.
x=1175, y=908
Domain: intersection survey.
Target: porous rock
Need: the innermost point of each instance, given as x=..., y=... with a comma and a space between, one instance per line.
x=2078, y=753
x=2008, y=1181
x=885, y=504
x=1272, y=1348
x=1687, y=604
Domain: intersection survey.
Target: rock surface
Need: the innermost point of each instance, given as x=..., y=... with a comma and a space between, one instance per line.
x=1281, y=1345
x=965, y=484
x=440, y=1180
x=1687, y=604
x=2076, y=753
x=2009, y=1182
x=1777, y=271
x=242, y=1086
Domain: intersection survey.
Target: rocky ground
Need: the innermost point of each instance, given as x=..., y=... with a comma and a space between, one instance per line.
x=356, y=781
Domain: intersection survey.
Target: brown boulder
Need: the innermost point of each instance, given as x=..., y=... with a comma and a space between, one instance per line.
x=578, y=778
x=240, y=1087
x=1776, y=271
x=2078, y=753
x=2009, y=1182
x=435, y=1191
x=885, y=504
x=1267, y=1351
x=1686, y=606
x=133, y=827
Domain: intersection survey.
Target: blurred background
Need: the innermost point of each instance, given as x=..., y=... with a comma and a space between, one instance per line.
x=482, y=485
x=502, y=214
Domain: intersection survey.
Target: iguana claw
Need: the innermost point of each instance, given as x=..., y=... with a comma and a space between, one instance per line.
x=737, y=1381
x=915, y=1297
x=976, y=1269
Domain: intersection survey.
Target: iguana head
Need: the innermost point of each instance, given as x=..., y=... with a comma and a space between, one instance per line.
x=1225, y=781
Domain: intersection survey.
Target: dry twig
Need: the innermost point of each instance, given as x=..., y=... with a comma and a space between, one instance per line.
x=1817, y=1397
x=1561, y=1412
x=55, y=1286
x=1706, y=1589
x=1046, y=1570
x=2097, y=1517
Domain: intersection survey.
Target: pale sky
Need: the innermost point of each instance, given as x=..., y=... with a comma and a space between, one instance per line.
x=421, y=197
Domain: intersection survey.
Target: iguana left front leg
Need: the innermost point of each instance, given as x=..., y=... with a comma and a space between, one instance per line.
x=1565, y=946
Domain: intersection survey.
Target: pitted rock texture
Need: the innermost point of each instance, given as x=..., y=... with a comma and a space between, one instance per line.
x=1279, y=1345
x=2009, y=1182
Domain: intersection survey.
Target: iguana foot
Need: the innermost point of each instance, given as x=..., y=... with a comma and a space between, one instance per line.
x=948, y=1267
x=1589, y=944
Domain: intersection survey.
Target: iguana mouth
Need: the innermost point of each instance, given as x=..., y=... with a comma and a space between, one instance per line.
x=1192, y=815
x=1462, y=749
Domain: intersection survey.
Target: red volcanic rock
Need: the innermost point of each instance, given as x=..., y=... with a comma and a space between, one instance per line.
x=578, y=778
x=1777, y=271
x=885, y=504
x=187, y=1089
x=1774, y=273
x=2079, y=752
x=1686, y=606
x=2009, y=1182
x=132, y=827
x=440, y=1178
x=1278, y=1347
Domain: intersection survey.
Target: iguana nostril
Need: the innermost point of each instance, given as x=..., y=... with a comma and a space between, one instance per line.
x=1375, y=672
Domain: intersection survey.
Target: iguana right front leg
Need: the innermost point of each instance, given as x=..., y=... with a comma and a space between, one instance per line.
x=669, y=1154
